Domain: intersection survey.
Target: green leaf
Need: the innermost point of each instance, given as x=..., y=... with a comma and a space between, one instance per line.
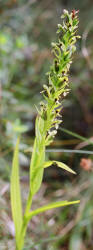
x=15, y=194
x=36, y=169
x=50, y=206
x=58, y=164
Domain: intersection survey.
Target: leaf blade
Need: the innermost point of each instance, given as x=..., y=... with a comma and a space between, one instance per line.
x=15, y=193
x=50, y=206
x=59, y=164
x=36, y=169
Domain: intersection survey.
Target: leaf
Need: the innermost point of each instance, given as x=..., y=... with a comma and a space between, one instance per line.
x=38, y=157
x=36, y=169
x=58, y=164
x=39, y=127
x=50, y=206
x=15, y=194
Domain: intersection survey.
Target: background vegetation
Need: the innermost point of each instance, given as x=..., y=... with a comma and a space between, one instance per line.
x=27, y=29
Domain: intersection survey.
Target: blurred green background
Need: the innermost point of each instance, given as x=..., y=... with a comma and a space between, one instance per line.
x=27, y=28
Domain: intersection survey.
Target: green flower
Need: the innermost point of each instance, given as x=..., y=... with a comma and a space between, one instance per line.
x=58, y=86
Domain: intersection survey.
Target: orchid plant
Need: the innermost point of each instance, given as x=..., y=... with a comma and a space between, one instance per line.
x=46, y=126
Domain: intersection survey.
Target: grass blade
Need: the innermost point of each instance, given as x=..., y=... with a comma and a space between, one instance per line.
x=82, y=138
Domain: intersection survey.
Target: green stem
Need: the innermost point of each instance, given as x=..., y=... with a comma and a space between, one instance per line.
x=29, y=203
x=22, y=234
x=25, y=222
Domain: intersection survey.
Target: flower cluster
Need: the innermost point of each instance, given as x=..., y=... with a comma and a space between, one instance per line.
x=58, y=86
